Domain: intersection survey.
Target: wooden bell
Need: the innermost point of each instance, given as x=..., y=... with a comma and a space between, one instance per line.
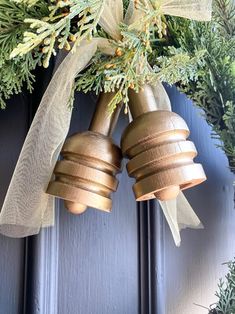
x=161, y=159
x=86, y=175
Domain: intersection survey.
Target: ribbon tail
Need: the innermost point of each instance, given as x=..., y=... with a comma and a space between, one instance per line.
x=111, y=17
x=133, y=14
x=27, y=207
x=200, y=10
x=169, y=209
x=179, y=215
x=185, y=214
x=105, y=46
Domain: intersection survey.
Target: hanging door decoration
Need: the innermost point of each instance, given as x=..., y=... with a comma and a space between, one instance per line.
x=155, y=142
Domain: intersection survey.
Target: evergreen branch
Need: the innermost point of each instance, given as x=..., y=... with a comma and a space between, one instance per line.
x=60, y=33
x=226, y=293
x=15, y=73
x=28, y=2
x=129, y=68
x=213, y=86
x=224, y=14
x=179, y=66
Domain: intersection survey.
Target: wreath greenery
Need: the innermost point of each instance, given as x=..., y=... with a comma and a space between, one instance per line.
x=197, y=56
x=214, y=87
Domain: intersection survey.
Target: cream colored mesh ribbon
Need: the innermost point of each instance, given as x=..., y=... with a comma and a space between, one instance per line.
x=199, y=10
x=191, y=9
x=27, y=207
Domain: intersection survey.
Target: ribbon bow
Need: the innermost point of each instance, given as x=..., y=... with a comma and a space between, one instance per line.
x=27, y=207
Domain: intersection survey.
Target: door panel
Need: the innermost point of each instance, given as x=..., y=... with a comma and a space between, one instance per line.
x=191, y=272
x=12, y=134
x=124, y=262
x=98, y=256
x=16, y=271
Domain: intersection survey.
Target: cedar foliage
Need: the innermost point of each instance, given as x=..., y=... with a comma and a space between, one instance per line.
x=15, y=72
x=197, y=56
x=226, y=293
x=213, y=90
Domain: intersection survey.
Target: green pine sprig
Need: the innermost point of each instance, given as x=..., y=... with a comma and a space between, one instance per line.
x=213, y=90
x=68, y=22
x=129, y=67
x=15, y=73
x=226, y=293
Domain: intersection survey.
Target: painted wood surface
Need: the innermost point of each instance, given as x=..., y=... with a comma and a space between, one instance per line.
x=19, y=272
x=190, y=273
x=12, y=134
x=98, y=256
x=124, y=262
x=183, y=276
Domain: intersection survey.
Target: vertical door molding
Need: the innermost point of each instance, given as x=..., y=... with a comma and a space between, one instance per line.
x=41, y=251
x=41, y=280
x=151, y=258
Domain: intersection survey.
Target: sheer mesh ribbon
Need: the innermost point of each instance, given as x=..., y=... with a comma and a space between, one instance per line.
x=27, y=207
x=191, y=9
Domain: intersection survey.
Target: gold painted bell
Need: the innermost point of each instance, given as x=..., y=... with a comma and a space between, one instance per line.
x=161, y=159
x=86, y=175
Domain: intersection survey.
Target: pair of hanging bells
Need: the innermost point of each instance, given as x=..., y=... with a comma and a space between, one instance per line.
x=155, y=142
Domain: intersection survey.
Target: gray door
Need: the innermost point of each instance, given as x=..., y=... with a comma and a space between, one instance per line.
x=191, y=273
x=12, y=134
x=124, y=262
